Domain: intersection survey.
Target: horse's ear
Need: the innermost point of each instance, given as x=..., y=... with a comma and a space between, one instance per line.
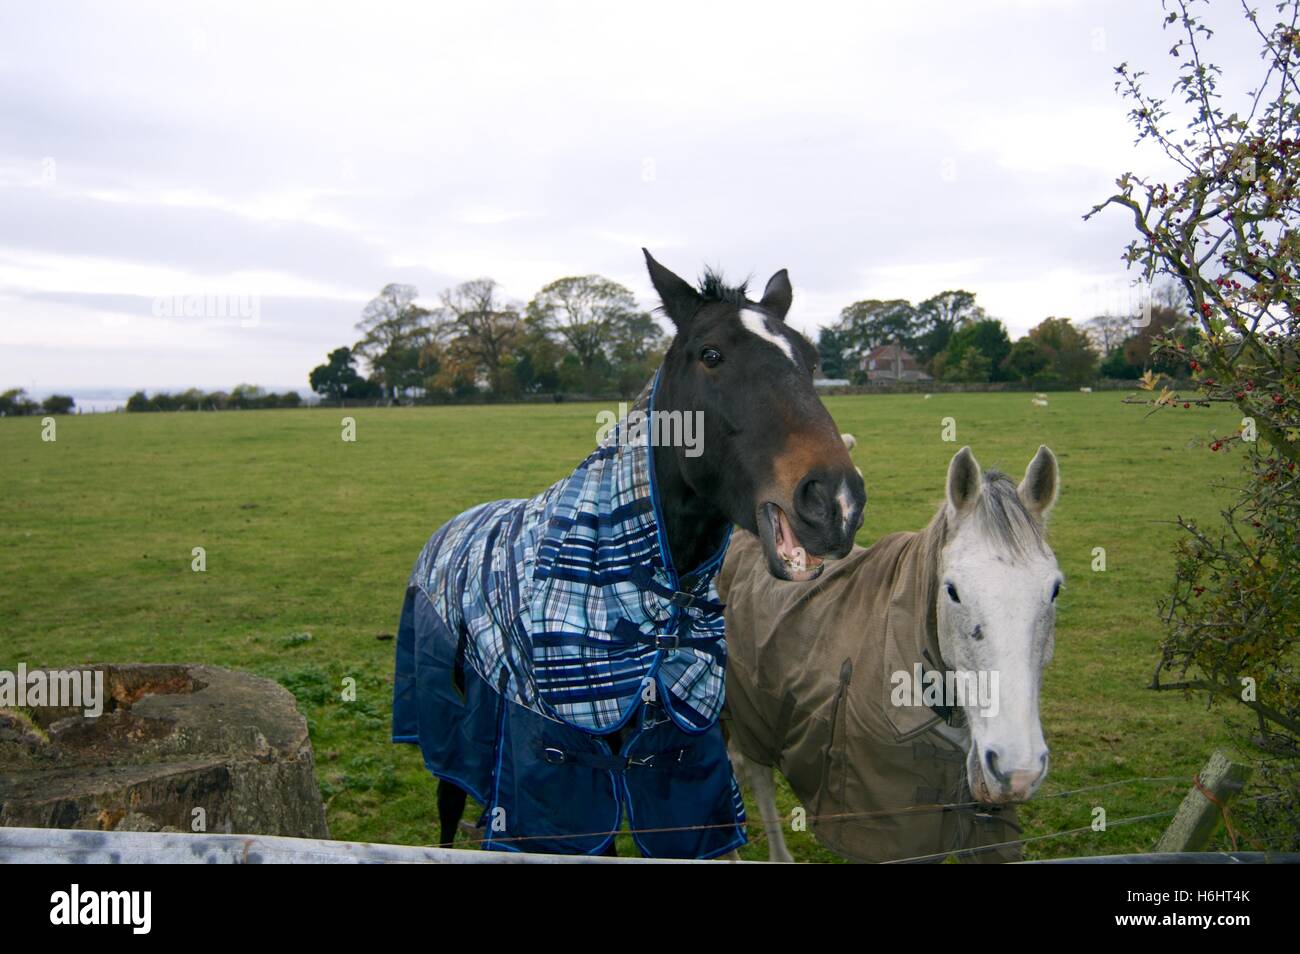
x=680, y=300
x=1042, y=477
x=778, y=294
x=964, y=482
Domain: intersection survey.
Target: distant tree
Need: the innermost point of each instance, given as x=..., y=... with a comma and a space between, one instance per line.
x=989, y=338
x=1072, y=359
x=1027, y=360
x=1172, y=295
x=1165, y=300
x=452, y=371
x=1106, y=332
x=338, y=377
x=242, y=397
x=16, y=403
x=637, y=348
x=573, y=377
x=938, y=317
x=58, y=404
x=1115, y=365
x=868, y=324
x=1140, y=349
x=830, y=351
x=139, y=401
x=532, y=365
x=394, y=331
x=480, y=328
x=583, y=310
x=972, y=366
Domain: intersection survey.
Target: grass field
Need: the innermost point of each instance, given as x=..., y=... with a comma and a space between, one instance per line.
x=309, y=541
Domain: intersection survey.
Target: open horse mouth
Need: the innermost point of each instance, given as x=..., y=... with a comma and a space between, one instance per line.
x=787, y=557
x=979, y=788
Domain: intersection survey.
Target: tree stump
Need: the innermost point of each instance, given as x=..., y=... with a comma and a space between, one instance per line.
x=177, y=748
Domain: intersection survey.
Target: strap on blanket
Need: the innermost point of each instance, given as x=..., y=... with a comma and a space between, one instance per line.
x=628, y=632
x=681, y=602
x=645, y=577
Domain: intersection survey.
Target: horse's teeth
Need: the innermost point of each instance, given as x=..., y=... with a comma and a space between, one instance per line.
x=798, y=559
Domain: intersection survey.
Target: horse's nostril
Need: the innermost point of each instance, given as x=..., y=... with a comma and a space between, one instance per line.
x=991, y=762
x=832, y=506
x=811, y=499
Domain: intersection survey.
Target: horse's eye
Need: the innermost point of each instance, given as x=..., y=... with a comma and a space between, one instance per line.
x=952, y=593
x=1056, y=591
x=710, y=357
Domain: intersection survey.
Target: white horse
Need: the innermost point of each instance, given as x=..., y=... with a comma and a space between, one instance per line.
x=984, y=593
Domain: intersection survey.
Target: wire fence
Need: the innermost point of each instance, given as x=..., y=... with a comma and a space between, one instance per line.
x=522, y=841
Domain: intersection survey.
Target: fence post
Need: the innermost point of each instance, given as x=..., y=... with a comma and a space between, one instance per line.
x=1198, y=816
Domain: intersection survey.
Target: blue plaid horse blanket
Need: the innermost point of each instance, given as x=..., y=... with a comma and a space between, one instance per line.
x=533, y=627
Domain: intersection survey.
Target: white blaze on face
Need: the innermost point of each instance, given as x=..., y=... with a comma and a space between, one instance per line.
x=755, y=322
x=845, y=500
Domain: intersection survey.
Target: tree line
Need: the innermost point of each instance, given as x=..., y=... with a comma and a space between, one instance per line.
x=953, y=339
x=242, y=397
x=582, y=334
x=16, y=403
x=587, y=335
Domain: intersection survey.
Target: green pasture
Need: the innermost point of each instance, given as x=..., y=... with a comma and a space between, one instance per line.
x=309, y=540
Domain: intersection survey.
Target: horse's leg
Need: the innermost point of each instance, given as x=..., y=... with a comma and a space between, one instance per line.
x=761, y=781
x=451, y=806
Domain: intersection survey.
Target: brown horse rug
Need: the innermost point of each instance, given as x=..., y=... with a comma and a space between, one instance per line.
x=809, y=681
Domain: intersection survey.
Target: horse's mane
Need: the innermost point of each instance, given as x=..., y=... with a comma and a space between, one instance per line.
x=714, y=288
x=1002, y=516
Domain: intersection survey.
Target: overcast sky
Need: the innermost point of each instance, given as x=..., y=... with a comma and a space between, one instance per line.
x=309, y=154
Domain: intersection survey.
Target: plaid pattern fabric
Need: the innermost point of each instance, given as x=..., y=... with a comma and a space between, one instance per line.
x=569, y=601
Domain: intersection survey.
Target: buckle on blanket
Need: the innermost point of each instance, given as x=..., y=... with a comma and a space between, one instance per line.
x=684, y=600
x=553, y=756
x=669, y=641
